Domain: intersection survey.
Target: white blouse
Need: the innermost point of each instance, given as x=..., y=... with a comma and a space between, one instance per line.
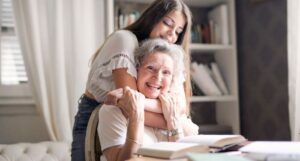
x=112, y=129
x=116, y=52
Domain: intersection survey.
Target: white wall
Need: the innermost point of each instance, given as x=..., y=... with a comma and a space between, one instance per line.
x=21, y=124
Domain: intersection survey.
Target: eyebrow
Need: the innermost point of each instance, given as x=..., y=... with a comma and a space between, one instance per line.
x=174, y=21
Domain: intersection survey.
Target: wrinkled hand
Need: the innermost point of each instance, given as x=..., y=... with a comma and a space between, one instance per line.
x=112, y=97
x=189, y=128
x=180, y=100
x=132, y=104
x=170, y=110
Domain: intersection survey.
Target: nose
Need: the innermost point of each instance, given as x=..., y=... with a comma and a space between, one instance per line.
x=171, y=36
x=158, y=76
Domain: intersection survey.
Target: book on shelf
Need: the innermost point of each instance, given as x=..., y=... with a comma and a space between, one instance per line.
x=205, y=33
x=125, y=20
x=218, y=78
x=197, y=143
x=196, y=35
x=203, y=77
x=272, y=150
x=195, y=89
x=219, y=17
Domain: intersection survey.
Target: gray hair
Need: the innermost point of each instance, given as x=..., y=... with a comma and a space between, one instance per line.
x=152, y=46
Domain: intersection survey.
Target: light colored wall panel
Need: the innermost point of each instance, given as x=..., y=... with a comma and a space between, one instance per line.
x=21, y=124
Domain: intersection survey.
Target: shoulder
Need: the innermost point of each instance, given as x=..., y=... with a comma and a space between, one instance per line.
x=124, y=36
x=124, y=33
x=109, y=112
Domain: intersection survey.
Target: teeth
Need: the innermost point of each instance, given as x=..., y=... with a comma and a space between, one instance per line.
x=153, y=86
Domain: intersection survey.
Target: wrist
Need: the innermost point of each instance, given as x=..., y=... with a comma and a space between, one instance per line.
x=137, y=116
x=173, y=123
x=175, y=132
x=172, y=132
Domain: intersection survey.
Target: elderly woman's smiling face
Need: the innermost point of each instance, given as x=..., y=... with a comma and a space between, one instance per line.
x=155, y=74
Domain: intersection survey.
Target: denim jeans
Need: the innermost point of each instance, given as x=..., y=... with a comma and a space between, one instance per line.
x=85, y=109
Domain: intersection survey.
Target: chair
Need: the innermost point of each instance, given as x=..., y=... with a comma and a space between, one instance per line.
x=92, y=142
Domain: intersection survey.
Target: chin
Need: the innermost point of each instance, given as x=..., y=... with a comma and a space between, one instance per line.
x=152, y=96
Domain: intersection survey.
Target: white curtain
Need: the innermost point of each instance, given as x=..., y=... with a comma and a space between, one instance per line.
x=57, y=39
x=294, y=67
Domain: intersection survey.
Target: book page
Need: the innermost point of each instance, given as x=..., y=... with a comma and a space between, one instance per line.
x=170, y=149
x=213, y=140
x=272, y=147
x=169, y=146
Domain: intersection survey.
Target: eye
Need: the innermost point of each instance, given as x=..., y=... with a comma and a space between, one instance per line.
x=168, y=22
x=167, y=72
x=151, y=68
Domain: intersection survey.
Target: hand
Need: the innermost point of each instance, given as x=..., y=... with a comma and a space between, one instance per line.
x=179, y=96
x=170, y=110
x=132, y=104
x=189, y=128
x=112, y=97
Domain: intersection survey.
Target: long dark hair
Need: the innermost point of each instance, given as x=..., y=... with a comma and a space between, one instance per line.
x=152, y=16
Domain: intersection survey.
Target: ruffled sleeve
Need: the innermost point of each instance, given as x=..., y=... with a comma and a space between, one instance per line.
x=117, y=52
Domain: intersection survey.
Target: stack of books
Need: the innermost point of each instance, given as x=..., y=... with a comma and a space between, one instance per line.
x=215, y=29
x=209, y=80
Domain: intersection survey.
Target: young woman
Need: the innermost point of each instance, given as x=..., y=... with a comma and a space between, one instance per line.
x=121, y=128
x=113, y=65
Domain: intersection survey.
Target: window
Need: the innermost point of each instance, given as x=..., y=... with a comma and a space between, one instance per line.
x=13, y=77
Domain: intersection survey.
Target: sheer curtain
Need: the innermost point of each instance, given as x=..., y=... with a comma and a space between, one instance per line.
x=57, y=39
x=294, y=67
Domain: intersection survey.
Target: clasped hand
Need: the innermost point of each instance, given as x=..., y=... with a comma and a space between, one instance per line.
x=170, y=110
x=132, y=102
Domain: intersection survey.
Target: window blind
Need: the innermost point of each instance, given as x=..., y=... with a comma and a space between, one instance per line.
x=12, y=63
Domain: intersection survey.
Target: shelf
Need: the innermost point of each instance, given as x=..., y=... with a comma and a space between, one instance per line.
x=224, y=53
x=196, y=3
x=209, y=47
x=213, y=98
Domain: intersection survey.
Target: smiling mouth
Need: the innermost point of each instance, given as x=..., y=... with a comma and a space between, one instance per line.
x=153, y=86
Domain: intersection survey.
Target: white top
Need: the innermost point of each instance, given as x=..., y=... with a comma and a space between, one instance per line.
x=112, y=129
x=117, y=52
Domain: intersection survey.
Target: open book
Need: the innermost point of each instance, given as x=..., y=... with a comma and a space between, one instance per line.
x=196, y=143
x=272, y=150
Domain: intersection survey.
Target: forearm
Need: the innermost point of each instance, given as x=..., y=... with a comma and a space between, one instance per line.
x=153, y=105
x=134, y=139
x=155, y=120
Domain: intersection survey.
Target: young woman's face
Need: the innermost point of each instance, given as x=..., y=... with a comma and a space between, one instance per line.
x=169, y=27
x=155, y=74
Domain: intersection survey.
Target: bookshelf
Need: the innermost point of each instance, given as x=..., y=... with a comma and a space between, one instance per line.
x=224, y=53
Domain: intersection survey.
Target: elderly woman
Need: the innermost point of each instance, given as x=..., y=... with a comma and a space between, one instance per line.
x=121, y=128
